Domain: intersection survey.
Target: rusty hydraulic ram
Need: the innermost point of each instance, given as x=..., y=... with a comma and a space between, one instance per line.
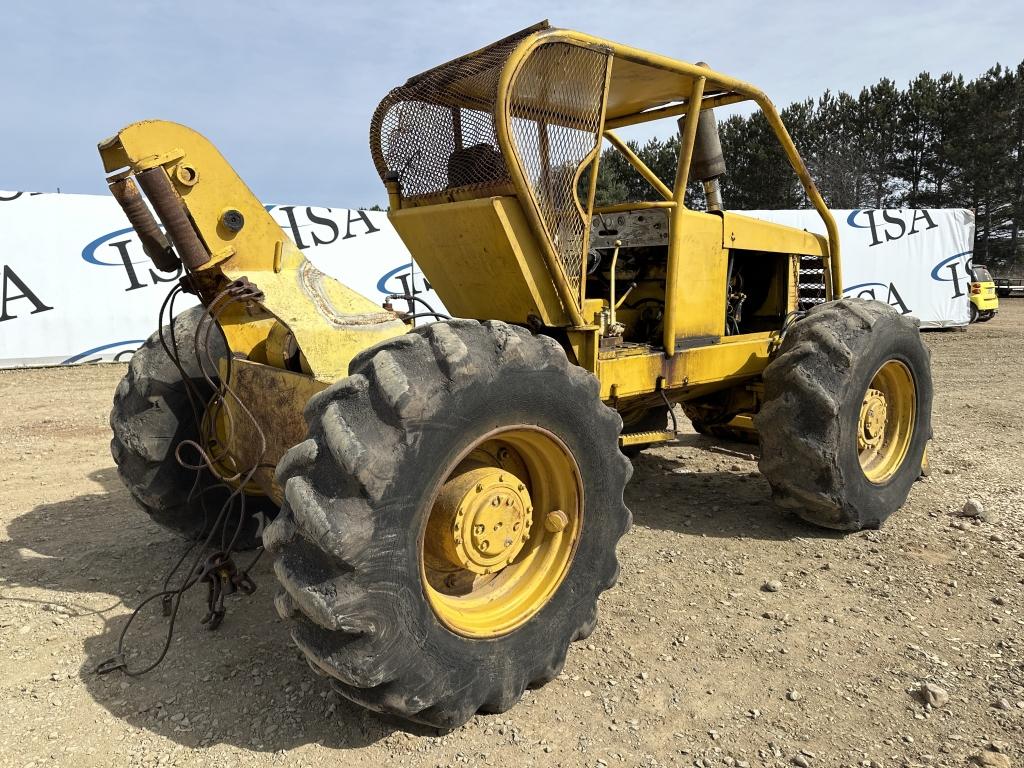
x=169, y=208
x=154, y=242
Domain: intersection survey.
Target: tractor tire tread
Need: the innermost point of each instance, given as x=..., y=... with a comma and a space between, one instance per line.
x=330, y=543
x=808, y=385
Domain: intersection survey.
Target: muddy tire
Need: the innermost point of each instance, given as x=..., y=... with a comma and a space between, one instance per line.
x=151, y=415
x=359, y=492
x=847, y=414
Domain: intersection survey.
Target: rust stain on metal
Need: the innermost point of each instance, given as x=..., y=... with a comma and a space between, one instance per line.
x=275, y=399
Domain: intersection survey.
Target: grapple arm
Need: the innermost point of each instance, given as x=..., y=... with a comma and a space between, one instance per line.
x=219, y=232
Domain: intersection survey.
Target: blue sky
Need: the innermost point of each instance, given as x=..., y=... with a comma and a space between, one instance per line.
x=286, y=90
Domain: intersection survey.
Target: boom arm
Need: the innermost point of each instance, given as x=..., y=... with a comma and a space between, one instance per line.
x=220, y=233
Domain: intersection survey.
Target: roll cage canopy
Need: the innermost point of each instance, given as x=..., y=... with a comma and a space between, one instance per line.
x=526, y=116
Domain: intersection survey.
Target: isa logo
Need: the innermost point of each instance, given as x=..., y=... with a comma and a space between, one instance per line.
x=884, y=292
x=122, y=249
x=886, y=226
x=115, y=351
x=402, y=282
x=951, y=270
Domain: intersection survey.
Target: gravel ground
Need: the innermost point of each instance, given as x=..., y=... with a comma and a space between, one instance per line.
x=694, y=661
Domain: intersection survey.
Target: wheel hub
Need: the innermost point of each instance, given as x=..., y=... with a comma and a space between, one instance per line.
x=887, y=417
x=489, y=560
x=490, y=514
x=873, y=417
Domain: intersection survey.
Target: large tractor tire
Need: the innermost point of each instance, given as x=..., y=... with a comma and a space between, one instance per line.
x=451, y=520
x=847, y=414
x=152, y=414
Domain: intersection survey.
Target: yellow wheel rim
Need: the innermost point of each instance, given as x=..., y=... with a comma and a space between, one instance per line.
x=886, y=424
x=502, y=531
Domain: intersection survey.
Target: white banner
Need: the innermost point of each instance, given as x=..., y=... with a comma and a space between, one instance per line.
x=917, y=260
x=77, y=288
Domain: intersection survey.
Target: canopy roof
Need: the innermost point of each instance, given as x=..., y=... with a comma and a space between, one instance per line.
x=640, y=81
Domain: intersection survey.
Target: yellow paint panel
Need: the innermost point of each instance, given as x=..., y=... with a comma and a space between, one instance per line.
x=756, y=235
x=716, y=364
x=696, y=280
x=635, y=87
x=483, y=260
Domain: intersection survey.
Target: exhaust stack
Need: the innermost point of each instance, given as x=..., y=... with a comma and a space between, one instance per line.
x=708, y=162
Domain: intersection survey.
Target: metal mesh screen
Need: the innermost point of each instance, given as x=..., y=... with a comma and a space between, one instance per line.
x=811, y=284
x=436, y=133
x=556, y=110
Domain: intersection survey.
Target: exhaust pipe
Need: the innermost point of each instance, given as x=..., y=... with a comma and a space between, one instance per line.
x=708, y=162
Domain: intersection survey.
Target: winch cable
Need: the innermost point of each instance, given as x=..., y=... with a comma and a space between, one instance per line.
x=219, y=562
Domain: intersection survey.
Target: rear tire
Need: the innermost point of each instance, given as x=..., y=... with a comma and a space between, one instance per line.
x=349, y=544
x=847, y=414
x=974, y=313
x=151, y=416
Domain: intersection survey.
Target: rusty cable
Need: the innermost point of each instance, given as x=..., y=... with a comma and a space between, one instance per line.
x=219, y=571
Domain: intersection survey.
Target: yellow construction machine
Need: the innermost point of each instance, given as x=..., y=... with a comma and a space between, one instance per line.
x=451, y=495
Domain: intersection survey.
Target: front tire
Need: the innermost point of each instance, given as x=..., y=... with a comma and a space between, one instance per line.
x=388, y=580
x=847, y=414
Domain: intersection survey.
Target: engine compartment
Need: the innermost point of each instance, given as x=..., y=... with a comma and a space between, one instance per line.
x=755, y=297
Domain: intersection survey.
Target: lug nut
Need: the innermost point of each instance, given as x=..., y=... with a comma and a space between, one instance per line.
x=556, y=521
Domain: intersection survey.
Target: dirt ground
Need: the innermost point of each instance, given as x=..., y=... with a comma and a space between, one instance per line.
x=692, y=663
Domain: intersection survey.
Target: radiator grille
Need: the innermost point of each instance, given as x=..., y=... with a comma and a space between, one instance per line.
x=811, y=285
